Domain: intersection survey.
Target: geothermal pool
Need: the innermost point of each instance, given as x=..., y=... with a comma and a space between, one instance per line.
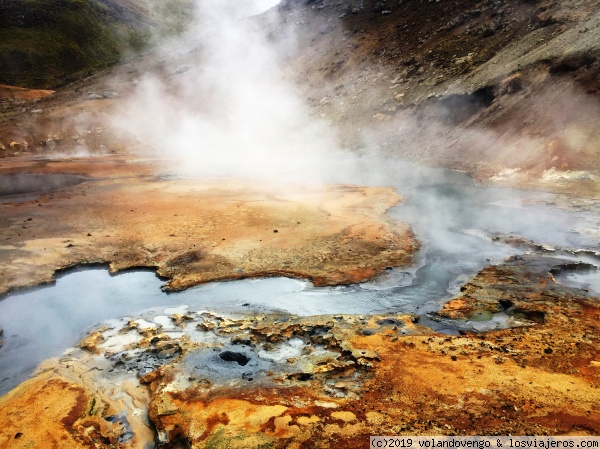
x=455, y=219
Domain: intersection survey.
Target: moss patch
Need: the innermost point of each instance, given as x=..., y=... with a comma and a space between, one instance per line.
x=46, y=44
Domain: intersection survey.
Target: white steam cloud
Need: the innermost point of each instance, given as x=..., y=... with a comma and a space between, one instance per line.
x=219, y=103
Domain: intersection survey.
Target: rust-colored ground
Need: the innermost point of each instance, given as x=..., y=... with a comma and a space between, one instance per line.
x=52, y=412
x=20, y=93
x=541, y=380
x=195, y=230
x=380, y=375
x=507, y=91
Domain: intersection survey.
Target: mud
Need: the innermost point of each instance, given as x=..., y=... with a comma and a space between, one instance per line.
x=505, y=90
x=30, y=183
x=210, y=380
x=194, y=231
x=202, y=379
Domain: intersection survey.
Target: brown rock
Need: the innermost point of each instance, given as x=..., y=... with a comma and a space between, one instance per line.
x=91, y=342
x=49, y=411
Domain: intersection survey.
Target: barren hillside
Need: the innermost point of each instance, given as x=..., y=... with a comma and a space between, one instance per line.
x=294, y=145
x=506, y=90
x=502, y=89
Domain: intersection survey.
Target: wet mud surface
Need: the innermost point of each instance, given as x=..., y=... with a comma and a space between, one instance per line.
x=32, y=183
x=205, y=379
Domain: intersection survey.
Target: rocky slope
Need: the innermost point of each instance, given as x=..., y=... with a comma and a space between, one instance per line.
x=505, y=90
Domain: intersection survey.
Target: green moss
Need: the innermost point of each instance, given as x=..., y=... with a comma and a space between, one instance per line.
x=48, y=43
x=222, y=440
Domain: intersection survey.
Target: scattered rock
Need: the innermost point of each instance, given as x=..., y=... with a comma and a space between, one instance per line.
x=92, y=342
x=19, y=145
x=51, y=143
x=179, y=318
x=382, y=117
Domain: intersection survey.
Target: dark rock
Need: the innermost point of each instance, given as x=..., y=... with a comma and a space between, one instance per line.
x=168, y=353
x=390, y=322
x=303, y=377
x=238, y=357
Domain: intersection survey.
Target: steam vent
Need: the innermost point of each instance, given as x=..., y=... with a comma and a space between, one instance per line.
x=298, y=223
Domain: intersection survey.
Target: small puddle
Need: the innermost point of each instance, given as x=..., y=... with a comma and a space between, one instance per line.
x=45, y=321
x=586, y=277
x=37, y=183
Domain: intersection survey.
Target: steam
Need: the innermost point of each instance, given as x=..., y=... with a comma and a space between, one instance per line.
x=224, y=107
x=219, y=104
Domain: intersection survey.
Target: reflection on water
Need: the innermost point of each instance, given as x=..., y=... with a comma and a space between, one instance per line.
x=587, y=280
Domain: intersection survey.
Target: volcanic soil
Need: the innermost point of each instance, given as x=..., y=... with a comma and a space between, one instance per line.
x=505, y=90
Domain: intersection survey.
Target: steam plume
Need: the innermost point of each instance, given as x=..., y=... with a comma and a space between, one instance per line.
x=223, y=106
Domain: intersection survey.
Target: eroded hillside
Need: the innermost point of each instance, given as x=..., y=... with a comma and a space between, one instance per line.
x=483, y=316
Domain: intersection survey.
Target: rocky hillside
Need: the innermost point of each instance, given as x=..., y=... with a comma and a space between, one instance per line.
x=47, y=44
x=499, y=88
